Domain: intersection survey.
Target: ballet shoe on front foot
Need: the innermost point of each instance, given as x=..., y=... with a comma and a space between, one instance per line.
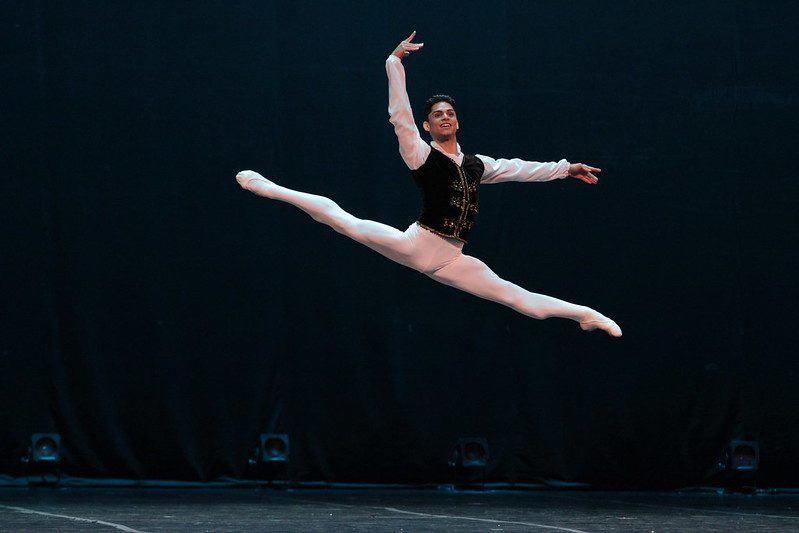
x=603, y=323
x=254, y=182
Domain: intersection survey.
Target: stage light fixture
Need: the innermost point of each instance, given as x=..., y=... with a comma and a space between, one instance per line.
x=743, y=456
x=43, y=460
x=274, y=447
x=737, y=467
x=471, y=452
x=45, y=448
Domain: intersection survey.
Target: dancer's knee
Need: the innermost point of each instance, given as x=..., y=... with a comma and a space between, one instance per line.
x=328, y=212
x=326, y=209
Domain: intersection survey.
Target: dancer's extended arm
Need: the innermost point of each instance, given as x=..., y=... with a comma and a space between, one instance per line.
x=499, y=170
x=413, y=149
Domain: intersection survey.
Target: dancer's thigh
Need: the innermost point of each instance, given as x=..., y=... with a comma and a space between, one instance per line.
x=471, y=275
x=386, y=240
x=374, y=233
x=416, y=247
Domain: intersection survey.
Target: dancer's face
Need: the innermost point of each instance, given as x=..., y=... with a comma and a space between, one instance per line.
x=442, y=122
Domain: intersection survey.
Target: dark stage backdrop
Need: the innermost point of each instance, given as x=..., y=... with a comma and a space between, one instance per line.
x=160, y=318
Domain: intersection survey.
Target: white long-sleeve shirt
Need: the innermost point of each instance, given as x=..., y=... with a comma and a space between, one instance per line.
x=414, y=150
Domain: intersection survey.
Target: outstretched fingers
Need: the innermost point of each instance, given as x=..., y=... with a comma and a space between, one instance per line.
x=405, y=47
x=585, y=173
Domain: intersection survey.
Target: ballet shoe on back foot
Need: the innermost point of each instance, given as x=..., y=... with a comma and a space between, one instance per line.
x=603, y=323
x=254, y=182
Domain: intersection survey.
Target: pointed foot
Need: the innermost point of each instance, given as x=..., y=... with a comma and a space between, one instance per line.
x=255, y=183
x=604, y=323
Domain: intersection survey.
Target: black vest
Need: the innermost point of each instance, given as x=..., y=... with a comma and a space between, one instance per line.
x=449, y=194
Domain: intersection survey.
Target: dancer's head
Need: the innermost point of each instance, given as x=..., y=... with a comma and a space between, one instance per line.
x=440, y=117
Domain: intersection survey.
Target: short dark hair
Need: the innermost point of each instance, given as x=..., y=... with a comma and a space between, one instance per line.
x=433, y=100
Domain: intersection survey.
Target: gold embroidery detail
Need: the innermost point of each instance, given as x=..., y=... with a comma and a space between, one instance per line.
x=458, y=224
x=458, y=202
x=462, y=186
x=465, y=203
x=458, y=186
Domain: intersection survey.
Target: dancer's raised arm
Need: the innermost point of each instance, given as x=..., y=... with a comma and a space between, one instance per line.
x=412, y=148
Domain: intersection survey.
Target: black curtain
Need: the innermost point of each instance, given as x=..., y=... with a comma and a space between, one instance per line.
x=159, y=318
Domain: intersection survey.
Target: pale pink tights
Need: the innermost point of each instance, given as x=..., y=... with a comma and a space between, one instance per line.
x=438, y=257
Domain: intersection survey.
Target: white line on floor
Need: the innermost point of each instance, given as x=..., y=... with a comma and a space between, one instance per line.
x=700, y=510
x=532, y=524
x=429, y=515
x=76, y=518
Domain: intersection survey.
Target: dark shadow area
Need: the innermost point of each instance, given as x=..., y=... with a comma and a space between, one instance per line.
x=159, y=319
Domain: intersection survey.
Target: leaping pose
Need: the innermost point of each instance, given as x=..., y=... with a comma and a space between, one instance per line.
x=448, y=180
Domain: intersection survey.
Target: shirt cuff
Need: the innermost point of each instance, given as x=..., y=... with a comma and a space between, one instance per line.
x=565, y=169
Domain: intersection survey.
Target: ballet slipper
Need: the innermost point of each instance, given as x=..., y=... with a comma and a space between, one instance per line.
x=603, y=323
x=255, y=183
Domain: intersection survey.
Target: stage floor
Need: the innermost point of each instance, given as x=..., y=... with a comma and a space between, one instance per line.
x=243, y=509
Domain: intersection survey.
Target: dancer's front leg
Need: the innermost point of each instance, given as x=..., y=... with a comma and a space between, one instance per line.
x=471, y=275
x=382, y=238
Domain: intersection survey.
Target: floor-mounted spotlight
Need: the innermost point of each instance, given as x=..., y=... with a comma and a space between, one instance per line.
x=468, y=461
x=45, y=448
x=274, y=447
x=43, y=458
x=743, y=456
x=271, y=459
x=470, y=453
x=738, y=465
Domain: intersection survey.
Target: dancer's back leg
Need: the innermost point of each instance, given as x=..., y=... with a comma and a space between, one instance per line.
x=382, y=238
x=471, y=275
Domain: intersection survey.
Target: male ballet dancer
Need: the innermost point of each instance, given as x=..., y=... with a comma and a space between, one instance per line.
x=448, y=180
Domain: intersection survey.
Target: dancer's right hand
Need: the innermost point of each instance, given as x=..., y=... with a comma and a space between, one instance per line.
x=405, y=47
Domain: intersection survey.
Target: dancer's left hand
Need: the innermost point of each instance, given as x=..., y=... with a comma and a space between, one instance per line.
x=584, y=172
x=405, y=47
